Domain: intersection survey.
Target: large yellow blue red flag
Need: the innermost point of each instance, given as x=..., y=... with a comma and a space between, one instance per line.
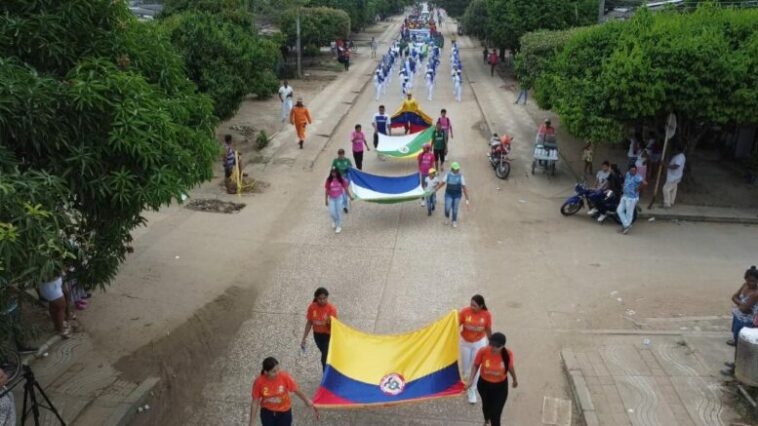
x=369, y=369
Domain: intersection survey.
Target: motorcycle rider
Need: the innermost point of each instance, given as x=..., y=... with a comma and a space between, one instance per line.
x=601, y=184
x=546, y=135
x=613, y=187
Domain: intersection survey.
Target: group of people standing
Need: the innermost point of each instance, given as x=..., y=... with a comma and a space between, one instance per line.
x=484, y=360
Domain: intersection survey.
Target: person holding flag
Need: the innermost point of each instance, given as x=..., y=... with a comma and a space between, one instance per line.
x=319, y=317
x=493, y=363
x=476, y=327
x=271, y=392
x=425, y=162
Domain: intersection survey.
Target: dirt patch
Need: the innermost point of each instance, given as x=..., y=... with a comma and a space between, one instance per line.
x=215, y=206
x=183, y=358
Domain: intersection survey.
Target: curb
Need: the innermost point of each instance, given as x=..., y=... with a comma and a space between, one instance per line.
x=579, y=389
x=125, y=412
x=699, y=218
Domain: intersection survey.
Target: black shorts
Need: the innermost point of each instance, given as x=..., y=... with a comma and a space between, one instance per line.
x=439, y=155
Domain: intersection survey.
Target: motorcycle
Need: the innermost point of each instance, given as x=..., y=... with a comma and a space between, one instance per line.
x=498, y=157
x=601, y=201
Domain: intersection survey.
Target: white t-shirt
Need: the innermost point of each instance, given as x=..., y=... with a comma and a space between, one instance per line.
x=430, y=183
x=285, y=92
x=675, y=175
x=602, y=177
x=634, y=148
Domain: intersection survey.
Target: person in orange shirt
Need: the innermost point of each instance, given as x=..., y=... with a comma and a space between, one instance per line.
x=300, y=117
x=493, y=363
x=319, y=317
x=476, y=326
x=271, y=392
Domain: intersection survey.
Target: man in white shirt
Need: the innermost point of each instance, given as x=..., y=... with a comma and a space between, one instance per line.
x=285, y=95
x=674, y=173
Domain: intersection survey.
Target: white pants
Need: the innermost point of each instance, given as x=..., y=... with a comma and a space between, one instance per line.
x=669, y=193
x=430, y=91
x=457, y=91
x=468, y=353
x=625, y=210
x=286, y=107
x=378, y=90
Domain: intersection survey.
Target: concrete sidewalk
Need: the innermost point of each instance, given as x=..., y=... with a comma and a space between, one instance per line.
x=701, y=214
x=82, y=385
x=651, y=379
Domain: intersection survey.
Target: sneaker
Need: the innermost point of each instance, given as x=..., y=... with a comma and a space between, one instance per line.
x=729, y=372
x=423, y=203
x=730, y=342
x=428, y=212
x=66, y=333
x=729, y=365
x=626, y=230
x=471, y=398
x=601, y=218
x=338, y=230
x=592, y=212
x=344, y=209
x=455, y=224
x=300, y=143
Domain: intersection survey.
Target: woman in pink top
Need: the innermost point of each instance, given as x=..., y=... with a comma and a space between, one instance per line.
x=359, y=141
x=446, y=125
x=334, y=189
x=425, y=162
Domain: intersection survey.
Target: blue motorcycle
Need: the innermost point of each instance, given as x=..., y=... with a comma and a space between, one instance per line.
x=601, y=203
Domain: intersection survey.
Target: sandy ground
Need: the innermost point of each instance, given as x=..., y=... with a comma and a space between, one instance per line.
x=206, y=297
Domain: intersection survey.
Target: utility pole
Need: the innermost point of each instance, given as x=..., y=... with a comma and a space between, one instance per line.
x=600, y=11
x=297, y=30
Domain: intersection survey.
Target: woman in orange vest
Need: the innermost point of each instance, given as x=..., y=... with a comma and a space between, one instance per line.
x=319, y=317
x=300, y=117
x=271, y=392
x=493, y=363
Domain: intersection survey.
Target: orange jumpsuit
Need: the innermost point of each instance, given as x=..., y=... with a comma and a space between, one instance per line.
x=299, y=116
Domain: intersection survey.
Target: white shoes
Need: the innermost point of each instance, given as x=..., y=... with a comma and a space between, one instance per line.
x=471, y=396
x=592, y=211
x=455, y=224
x=338, y=230
x=601, y=218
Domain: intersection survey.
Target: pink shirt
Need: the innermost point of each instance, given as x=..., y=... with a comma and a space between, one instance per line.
x=425, y=162
x=358, y=139
x=335, y=188
x=444, y=123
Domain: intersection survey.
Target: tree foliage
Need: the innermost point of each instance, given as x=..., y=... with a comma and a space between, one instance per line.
x=98, y=123
x=225, y=59
x=475, y=19
x=318, y=25
x=703, y=66
x=454, y=8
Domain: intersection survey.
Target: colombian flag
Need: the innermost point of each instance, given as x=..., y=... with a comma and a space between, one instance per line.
x=409, y=112
x=405, y=146
x=368, y=369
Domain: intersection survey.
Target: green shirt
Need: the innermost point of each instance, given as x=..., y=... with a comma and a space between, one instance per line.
x=438, y=139
x=342, y=164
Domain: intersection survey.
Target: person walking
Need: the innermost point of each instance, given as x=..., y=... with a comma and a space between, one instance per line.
x=373, y=47
x=300, y=117
x=343, y=164
x=485, y=54
x=493, y=364
x=439, y=145
x=493, y=62
x=425, y=162
x=52, y=292
x=381, y=124
x=455, y=187
x=271, y=393
x=319, y=318
x=744, y=311
x=476, y=327
x=446, y=124
x=432, y=184
x=674, y=174
x=285, y=96
x=457, y=85
x=587, y=158
x=633, y=184
x=523, y=92
x=335, y=189
x=358, y=140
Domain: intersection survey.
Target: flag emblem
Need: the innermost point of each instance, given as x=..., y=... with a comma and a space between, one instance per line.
x=392, y=384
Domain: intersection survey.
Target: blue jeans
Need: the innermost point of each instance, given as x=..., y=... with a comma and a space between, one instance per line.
x=524, y=93
x=335, y=210
x=625, y=210
x=737, y=325
x=452, y=203
x=431, y=201
x=345, y=201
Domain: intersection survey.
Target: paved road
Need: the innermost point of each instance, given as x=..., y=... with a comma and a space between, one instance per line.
x=393, y=269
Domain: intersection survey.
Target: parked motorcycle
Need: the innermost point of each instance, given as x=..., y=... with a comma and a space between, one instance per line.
x=498, y=156
x=601, y=201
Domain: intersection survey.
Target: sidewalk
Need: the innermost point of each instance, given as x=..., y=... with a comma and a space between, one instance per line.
x=82, y=385
x=644, y=379
x=700, y=214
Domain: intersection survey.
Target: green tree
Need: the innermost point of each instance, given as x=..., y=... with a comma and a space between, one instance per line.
x=98, y=118
x=701, y=66
x=225, y=59
x=454, y=8
x=475, y=19
x=318, y=25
